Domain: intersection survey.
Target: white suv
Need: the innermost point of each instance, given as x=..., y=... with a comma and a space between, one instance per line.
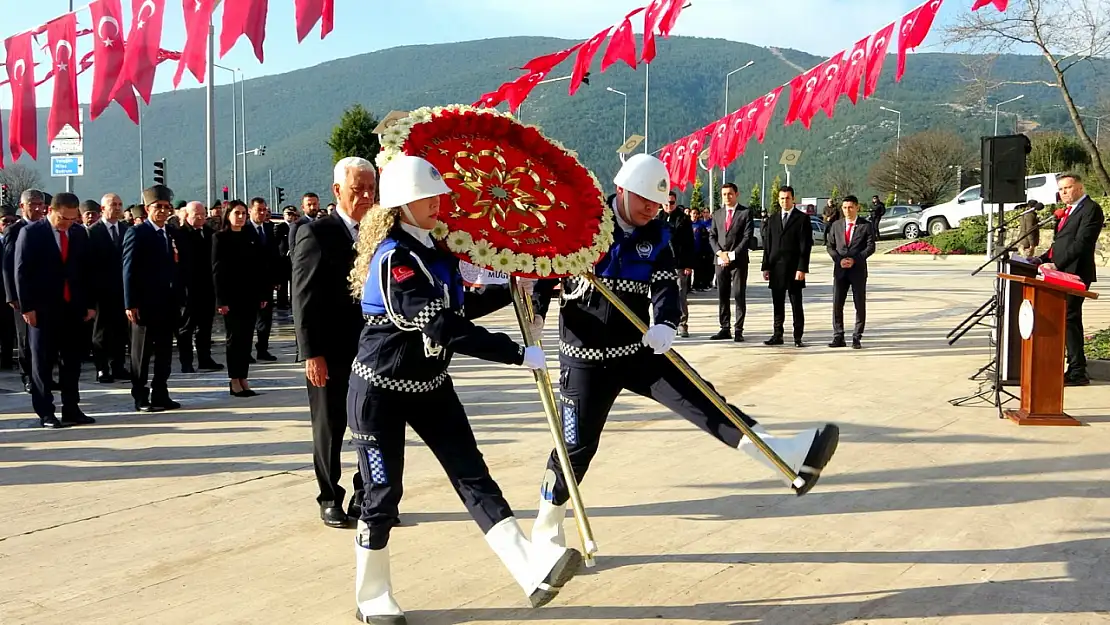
x=969, y=203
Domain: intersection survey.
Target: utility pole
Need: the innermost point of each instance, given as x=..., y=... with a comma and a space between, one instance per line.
x=243, y=128
x=210, y=119
x=763, y=187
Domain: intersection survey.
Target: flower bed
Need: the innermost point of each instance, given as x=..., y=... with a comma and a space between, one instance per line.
x=917, y=247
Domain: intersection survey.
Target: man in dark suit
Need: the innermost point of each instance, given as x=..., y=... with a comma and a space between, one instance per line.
x=194, y=239
x=8, y=218
x=109, y=337
x=1073, y=251
x=787, y=243
x=54, y=283
x=32, y=205
x=730, y=236
x=260, y=224
x=310, y=206
x=152, y=297
x=328, y=323
x=281, y=232
x=682, y=244
x=850, y=241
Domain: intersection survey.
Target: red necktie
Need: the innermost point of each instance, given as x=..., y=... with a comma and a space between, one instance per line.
x=63, y=239
x=848, y=236
x=728, y=220
x=1063, y=221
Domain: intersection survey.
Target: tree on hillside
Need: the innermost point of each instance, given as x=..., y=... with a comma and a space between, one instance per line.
x=776, y=184
x=754, y=201
x=1066, y=32
x=19, y=178
x=840, y=177
x=696, y=200
x=354, y=136
x=926, y=167
x=1056, y=152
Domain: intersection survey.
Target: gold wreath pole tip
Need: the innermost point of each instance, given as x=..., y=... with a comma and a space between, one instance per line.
x=550, y=407
x=713, y=396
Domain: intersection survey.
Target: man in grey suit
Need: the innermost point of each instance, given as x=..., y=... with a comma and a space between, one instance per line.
x=730, y=236
x=850, y=241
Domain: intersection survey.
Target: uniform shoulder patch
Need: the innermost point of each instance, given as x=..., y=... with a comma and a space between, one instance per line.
x=402, y=273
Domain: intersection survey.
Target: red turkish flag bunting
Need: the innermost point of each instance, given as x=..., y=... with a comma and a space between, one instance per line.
x=548, y=62
x=244, y=17
x=998, y=4
x=622, y=45
x=140, y=59
x=767, y=106
x=831, y=81
x=198, y=14
x=678, y=163
x=308, y=12
x=695, y=144
x=23, y=123
x=876, y=55
x=915, y=26
x=803, y=96
x=585, y=58
x=517, y=91
x=719, y=134
x=852, y=70
x=108, y=57
x=61, y=36
x=667, y=155
x=660, y=17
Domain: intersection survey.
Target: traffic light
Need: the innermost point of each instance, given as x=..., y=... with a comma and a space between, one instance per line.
x=262, y=151
x=4, y=195
x=280, y=196
x=160, y=172
x=225, y=192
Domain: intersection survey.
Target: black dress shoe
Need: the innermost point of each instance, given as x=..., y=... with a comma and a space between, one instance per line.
x=265, y=356
x=774, y=340
x=1077, y=380
x=683, y=332
x=738, y=337
x=52, y=423
x=144, y=405
x=799, y=344
x=838, y=342
x=165, y=404
x=188, y=369
x=723, y=335
x=210, y=365
x=335, y=517
x=104, y=377
x=77, y=418
x=857, y=345
x=251, y=360
x=243, y=393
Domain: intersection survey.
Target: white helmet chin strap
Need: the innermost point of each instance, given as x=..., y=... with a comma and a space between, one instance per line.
x=627, y=216
x=408, y=214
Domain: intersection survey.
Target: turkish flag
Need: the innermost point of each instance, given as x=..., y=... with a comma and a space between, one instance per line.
x=622, y=45
x=766, y=111
x=915, y=26
x=852, y=70
x=61, y=35
x=660, y=17
x=876, y=55
x=198, y=14
x=23, y=124
x=327, y=18
x=667, y=155
x=719, y=135
x=998, y=4
x=585, y=58
x=828, y=92
x=688, y=167
x=547, y=62
x=244, y=17
x=517, y=91
x=108, y=60
x=308, y=12
x=803, y=96
x=140, y=59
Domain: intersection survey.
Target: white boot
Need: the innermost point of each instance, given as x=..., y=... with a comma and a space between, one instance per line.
x=806, y=453
x=373, y=588
x=548, y=528
x=540, y=570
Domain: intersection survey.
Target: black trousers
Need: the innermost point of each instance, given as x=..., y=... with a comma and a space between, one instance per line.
x=263, y=325
x=109, y=338
x=1073, y=337
x=587, y=395
x=23, y=345
x=239, y=322
x=732, y=284
x=683, y=295
x=778, y=303
x=58, y=339
x=196, y=330
x=327, y=407
x=7, y=337
x=152, y=339
x=378, y=418
x=858, y=284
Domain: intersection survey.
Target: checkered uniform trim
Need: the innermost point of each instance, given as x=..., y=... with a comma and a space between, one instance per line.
x=393, y=384
x=605, y=353
x=570, y=423
x=376, y=320
x=664, y=276
x=377, y=465
x=424, y=317
x=622, y=286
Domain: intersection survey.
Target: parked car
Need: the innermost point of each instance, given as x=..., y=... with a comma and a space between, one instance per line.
x=815, y=223
x=901, y=221
x=969, y=203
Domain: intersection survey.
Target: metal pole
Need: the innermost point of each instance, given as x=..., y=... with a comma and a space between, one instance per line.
x=210, y=121
x=996, y=119
x=897, y=157
x=647, y=78
x=243, y=130
x=142, y=162
x=234, y=131
x=763, y=187
x=711, y=194
x=271, y=176
x=69, y=179
x=624, y=132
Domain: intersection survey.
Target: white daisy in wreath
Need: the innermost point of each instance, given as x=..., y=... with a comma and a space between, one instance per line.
x=543, y=266
x=560, y=265
x=504, y=261
x=481, y=253
x=459, y=241
x=525, y=263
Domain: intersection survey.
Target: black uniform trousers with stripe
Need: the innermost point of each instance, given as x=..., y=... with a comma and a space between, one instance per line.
x=588, y=391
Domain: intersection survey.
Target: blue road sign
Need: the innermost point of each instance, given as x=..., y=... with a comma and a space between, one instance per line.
x=67, y=165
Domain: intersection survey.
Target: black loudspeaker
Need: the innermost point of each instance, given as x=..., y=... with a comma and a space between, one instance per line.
x=1004, y=169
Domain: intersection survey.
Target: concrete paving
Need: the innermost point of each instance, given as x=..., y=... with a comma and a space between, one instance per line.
x=928, y=514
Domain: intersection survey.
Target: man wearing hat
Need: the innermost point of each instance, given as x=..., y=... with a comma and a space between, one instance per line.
x=151, y=294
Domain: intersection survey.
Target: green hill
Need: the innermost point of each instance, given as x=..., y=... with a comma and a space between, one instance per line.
x=293, y=113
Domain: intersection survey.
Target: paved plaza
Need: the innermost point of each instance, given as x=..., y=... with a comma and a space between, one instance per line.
x=929, y=513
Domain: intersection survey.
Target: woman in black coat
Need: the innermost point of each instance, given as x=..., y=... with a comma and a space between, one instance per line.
x=237, y=257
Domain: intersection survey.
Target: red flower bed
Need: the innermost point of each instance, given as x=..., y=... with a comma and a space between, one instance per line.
x=917, y=247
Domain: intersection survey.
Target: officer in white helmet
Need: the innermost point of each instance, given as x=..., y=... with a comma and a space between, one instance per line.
x=601, y=353
x=417, y=315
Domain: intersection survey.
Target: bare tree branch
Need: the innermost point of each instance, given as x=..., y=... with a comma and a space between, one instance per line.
x=925, y=168
x=19, y=178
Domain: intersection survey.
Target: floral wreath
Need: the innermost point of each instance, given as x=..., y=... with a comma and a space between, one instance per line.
x=520, y=203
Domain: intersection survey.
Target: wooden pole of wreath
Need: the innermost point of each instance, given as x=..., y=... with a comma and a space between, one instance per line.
x=688, y=371
x=524, y=316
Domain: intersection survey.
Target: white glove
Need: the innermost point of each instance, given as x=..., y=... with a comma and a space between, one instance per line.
x=659, y=338
x=536, y=327
x=534, y=358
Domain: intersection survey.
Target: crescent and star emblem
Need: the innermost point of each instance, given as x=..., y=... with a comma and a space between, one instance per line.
x=831, y=72
x=751, y=113
x=19, y=69
x=143, y=7
x=68, y=47
x=857, y=56
x=811, y=84
x=879, y=43
x=907, y=27
x=107, y=39
x=770, y=99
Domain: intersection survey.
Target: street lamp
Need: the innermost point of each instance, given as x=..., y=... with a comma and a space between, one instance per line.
x=996, y=111
x=1098, y=124
x=897, y=148
x=234, y=128
x=727, y=76
x=624, y=136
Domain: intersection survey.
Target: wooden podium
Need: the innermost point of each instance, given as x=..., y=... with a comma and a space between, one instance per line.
x=1042, y=351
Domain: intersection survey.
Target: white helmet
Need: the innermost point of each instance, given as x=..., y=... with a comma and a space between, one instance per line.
x=408, y=179
x=645, y=176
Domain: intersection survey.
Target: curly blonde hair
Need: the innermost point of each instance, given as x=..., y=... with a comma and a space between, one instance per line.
x=372, y=230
